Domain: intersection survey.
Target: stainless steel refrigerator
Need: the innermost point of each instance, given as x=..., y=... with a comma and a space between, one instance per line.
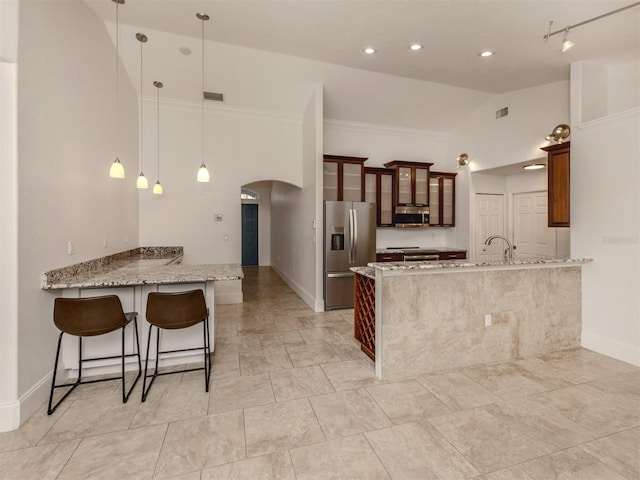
x=349, y=241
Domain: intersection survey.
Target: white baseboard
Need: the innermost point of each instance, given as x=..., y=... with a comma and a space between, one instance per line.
x=9, y=416
x=228, y=298
x=625, y=352
x=296, y=287
x=13, y=414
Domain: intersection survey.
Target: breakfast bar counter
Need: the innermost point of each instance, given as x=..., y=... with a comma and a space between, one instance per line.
x=132, y=275
x=421, y=317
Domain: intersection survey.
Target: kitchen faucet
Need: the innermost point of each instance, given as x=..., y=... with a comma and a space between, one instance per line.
x=508, y=253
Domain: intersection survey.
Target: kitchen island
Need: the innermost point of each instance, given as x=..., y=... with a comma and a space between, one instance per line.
x=423, y=317
x=132, y=275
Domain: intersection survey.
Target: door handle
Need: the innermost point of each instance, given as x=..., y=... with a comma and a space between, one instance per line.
x=350, y=236
x=340, y=275
x=355, y=235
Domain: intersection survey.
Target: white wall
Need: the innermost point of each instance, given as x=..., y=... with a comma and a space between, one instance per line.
x=605, y=210
x=66, y=143
x=241, y=146
x=9, y=406
x=533, y=112
x=492, y=142
x=294, y=245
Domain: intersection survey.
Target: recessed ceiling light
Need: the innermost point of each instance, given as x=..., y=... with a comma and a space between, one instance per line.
x=185, y=50
x=534, y=166
x=369, y=50
x=415, y=46
x=486, y=53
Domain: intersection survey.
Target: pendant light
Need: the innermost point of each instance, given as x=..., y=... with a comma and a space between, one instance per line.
x=157, y=188
x=117, y=169
x=142, y=180
x=203, y=173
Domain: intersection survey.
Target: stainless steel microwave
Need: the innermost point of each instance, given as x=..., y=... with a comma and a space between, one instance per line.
x=412, y=216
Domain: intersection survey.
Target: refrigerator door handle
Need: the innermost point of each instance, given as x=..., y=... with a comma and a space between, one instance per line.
x=355, y=235
x=351, y=236
x=340, y=275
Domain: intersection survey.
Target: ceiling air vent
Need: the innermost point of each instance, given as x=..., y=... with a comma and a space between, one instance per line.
x=218, y=97
x=503, y=112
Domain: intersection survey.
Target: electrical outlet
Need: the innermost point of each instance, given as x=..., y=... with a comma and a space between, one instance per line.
x=487, y=320
x=71, y=248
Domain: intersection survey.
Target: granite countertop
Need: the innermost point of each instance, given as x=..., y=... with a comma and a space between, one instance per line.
x=448, y=264
x=368, y=272
x=142, y=266
x=422, y=249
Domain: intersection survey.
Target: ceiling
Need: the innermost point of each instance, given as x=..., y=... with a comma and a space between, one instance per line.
x=452, y=32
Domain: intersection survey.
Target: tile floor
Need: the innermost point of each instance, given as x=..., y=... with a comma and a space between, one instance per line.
x=292, y=397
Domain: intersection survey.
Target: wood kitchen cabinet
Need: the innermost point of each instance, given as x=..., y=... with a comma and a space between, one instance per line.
x=389, y=257
x=461, y=255
x=442, y=199
x=379, y=188
x=412, y=182
x=343, y=178
x=558, y=184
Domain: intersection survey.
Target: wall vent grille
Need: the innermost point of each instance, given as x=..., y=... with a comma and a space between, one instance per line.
x=503, y=112
x=218, y=97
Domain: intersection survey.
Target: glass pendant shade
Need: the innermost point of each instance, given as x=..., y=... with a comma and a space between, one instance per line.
x=142, y=181
x=203, y=174
x=117, y=170
x=157, y=188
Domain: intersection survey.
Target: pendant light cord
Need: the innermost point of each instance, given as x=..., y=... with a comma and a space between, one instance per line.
x=158, y=124
x=117, y=82
x=141, y=129
x=202, y=92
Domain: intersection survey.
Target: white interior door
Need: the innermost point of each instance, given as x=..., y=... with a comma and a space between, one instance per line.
x=489, y=220
x=531, y=235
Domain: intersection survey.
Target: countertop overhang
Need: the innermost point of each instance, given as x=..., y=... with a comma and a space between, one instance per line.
x=141, y=266
x=456, y=265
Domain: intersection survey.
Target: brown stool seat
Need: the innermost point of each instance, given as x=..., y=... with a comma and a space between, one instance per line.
x=89, y=317
x=172, y=311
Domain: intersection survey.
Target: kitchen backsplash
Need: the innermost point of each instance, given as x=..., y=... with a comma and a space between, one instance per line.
x=410, y=237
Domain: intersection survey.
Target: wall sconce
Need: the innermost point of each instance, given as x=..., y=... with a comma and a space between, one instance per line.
x=559, y=133
x=463, y=160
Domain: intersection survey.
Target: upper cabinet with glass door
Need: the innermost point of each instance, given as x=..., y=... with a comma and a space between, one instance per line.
x=379, y=189
x=343, y=178
x=412, y=182
x=442, y=197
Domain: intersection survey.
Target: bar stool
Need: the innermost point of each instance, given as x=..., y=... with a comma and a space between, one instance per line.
x=89, y=317
x=172, y=311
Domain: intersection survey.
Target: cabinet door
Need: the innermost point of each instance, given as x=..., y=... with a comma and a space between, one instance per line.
x=386, y=199
x=330, y=191
x=370, y=188
x=404, y=185
x=558, y=189
x=352, y=182
x=434, y=201
x=448, y=201
x=422, y=186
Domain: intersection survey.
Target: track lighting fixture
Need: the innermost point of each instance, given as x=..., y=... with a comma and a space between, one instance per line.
x=566, y=43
